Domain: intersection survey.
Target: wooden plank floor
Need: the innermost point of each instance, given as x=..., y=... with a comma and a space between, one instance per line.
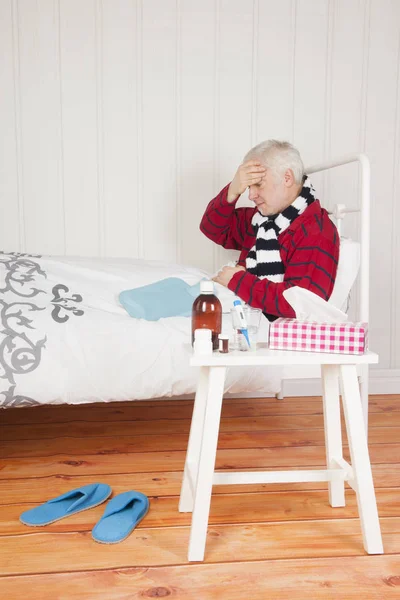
x=264, y=541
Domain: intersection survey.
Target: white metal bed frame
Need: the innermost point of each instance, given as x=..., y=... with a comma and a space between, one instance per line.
x=339, y=213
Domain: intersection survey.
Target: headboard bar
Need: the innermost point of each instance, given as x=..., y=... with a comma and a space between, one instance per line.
x=365, y=220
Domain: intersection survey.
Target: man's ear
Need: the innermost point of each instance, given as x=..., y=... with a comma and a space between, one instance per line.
x=288, y=178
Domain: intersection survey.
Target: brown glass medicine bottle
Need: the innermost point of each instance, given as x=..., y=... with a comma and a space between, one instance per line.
x=207, y=312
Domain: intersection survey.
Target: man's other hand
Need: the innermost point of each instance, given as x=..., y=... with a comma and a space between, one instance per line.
x=249, y=173
x=225, y=275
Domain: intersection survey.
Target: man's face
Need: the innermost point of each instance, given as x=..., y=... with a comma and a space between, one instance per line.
x=270, y=196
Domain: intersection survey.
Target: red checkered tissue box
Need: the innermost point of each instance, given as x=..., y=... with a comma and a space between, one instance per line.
x=308, y=336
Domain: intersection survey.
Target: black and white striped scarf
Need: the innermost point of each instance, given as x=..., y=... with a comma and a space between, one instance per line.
x=264, y=258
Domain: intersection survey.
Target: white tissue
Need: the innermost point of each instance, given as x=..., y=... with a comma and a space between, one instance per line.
x=310, y=307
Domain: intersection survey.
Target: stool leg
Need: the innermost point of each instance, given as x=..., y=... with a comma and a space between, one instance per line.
x=280, y=395
x=194, y=445
x=201, y=511
x=363, y=381
x=333, y=429
x=365, y=492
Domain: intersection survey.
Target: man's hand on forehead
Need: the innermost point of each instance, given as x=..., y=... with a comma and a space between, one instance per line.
x=249, y=173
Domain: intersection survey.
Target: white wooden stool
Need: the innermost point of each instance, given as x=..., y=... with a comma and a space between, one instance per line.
x=199, y=475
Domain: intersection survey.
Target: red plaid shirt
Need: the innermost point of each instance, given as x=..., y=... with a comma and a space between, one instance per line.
x=309, y=250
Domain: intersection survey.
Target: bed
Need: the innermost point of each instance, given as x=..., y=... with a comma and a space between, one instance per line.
x=64, y=338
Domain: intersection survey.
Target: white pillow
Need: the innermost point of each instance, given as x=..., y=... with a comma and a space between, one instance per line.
x=348, y=267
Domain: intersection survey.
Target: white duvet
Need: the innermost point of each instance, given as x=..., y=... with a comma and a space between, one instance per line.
x=65, y=338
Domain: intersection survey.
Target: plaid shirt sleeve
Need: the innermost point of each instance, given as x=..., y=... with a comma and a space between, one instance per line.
x=312, y=265
x=224, y=224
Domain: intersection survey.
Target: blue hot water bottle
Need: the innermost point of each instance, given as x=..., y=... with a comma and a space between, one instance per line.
x=171, y=297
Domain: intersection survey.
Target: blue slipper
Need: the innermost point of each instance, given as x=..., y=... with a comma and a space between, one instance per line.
x=66, y=505
x=120, y=517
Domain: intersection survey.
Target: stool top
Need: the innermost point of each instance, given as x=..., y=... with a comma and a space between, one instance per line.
x=264, y=356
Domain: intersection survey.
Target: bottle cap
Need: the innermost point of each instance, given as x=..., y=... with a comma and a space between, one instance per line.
x=236, y=303
x=202, y=334
x=206, y=287
x=202, y=341
x=222, y=336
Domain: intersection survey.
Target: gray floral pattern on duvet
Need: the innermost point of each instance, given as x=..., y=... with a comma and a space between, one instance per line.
x=18, y=353
x=64, y=303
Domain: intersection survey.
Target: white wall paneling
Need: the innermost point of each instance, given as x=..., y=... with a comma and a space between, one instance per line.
x=121, y=119
x=159, y=54
x=310, y=80
x=275, y=74
x=79, y=95
x=235, y=94
x=395, y=274
x=346, y=109
x=195, y=117
x=40, y=113
x=120, y=91
x=11, y=216
x=380, y=137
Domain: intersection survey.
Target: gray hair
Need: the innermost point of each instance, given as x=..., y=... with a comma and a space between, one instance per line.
x=278, y=157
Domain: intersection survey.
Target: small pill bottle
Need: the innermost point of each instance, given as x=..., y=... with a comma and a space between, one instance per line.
x=223, y=343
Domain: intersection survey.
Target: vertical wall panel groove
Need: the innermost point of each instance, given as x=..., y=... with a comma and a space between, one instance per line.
x=179, y=225
x=215, y=250
x=254, y=73
x=61, y=129
x=294, y=21
x=328, y=96
x=363, y=119
x=364, y=94
x=100, y=125
x=139, y=118
x=18, y=128
x=362, y=128
x=395, y=271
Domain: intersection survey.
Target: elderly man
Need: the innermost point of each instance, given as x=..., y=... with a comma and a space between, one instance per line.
x=286, y=240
